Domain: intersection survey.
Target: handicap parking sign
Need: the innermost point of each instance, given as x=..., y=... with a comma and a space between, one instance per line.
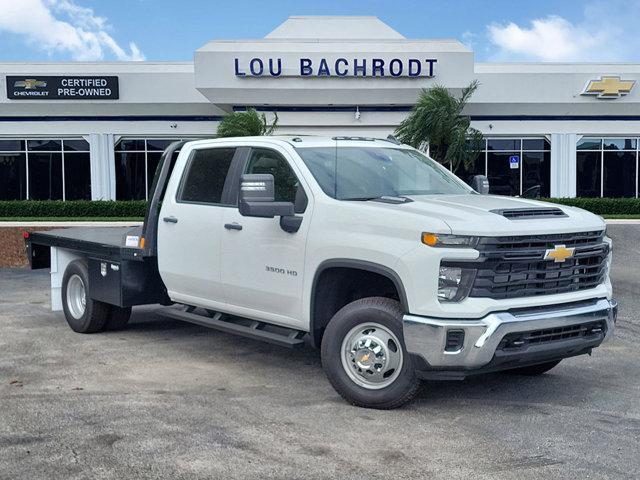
x=514, y=162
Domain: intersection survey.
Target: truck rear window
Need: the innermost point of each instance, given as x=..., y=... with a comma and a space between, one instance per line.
x=206, y=175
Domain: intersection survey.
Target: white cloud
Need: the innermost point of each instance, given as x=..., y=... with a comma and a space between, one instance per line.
x=606, y=32
x=62, y=26
x=550, y=39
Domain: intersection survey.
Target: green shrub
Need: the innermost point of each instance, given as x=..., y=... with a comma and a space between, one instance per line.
x=138, y=208
x=75, y=208
x=602, y=206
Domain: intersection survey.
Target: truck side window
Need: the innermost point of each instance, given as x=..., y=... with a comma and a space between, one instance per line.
x=206, y=175
x=287, y=186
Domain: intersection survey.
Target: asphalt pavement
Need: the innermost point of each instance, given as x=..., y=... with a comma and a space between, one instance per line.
x=164, y=399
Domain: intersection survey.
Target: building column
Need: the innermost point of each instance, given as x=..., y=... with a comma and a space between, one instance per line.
x=563, y=164
x=103, y=173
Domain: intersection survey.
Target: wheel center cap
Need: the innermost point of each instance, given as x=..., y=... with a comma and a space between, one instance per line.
x=365, y=358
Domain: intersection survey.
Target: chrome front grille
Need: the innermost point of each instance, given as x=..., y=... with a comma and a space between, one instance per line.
x=512, y=267
x=532, y=246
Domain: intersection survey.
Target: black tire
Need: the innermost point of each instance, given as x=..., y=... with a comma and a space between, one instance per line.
x=95, y=313
x=118, y=318
x=533, y=370
x=383, y=311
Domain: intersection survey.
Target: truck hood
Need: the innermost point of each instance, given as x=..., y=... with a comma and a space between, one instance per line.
x=471, y=214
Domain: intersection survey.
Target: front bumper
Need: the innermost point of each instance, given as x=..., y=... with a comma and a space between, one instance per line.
x=481, y=349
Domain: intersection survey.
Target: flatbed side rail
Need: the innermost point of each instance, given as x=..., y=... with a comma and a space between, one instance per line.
x=80, y=246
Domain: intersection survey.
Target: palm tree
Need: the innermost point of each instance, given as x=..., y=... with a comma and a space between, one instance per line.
x=437, y=121
x=246, y=124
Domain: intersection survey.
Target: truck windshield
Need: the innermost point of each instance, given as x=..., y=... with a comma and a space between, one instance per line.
x=360, y=173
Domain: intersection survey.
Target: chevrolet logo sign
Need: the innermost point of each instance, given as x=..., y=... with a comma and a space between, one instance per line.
x=559, y=253
x=30, y=84
x=609, y=87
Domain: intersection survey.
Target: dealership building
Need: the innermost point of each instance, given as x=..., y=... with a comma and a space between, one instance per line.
x=97, y=130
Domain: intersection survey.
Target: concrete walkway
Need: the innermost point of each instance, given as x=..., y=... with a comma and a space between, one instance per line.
x=623, y=221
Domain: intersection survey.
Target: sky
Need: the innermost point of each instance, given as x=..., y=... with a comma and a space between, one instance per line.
x=171, y=30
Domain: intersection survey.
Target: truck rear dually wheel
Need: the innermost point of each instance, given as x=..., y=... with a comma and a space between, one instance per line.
x=364, y=356
x=83, y=314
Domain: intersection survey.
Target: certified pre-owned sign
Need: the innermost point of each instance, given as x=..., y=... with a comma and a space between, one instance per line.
x=30, y=87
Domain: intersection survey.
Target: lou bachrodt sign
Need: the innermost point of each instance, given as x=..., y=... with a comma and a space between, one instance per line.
x=339, y=67
x=62, y=88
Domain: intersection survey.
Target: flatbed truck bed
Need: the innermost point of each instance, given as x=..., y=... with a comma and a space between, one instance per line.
x=106, y=242
x=120, y=275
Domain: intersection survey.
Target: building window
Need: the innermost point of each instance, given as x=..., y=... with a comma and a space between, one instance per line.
x=45, y=169
x=607, y=167
x=514, y=166
x=13, y=170
x=136, y=162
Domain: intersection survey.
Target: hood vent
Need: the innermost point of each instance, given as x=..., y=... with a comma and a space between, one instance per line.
x=530, y=213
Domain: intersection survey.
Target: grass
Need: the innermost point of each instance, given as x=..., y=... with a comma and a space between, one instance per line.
x=71, y=219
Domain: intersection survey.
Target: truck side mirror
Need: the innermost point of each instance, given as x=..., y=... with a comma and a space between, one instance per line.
x=480, y=184
x=257, y=197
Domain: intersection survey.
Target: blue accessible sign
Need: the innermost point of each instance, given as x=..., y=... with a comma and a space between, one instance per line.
x=514, y=162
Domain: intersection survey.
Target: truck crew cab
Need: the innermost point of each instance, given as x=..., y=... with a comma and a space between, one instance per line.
x=365, y=248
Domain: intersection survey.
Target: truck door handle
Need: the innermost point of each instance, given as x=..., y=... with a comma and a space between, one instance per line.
x=170, y=219
x=233, y=226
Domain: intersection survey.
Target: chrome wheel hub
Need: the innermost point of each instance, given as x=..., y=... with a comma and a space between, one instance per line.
x=76, y=296
x=372, y=356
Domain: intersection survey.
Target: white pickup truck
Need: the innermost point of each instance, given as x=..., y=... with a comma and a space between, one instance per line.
x=396, y=269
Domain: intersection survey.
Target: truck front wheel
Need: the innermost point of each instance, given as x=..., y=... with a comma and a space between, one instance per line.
x=364, y=356
x=83, y=314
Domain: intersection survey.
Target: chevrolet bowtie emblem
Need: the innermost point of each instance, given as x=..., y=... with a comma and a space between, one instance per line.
x=609, y=87
x=559, y=253
x=30, y=83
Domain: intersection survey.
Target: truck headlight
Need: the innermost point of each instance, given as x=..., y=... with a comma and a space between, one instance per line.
x=449, y=241
x=454, y=283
